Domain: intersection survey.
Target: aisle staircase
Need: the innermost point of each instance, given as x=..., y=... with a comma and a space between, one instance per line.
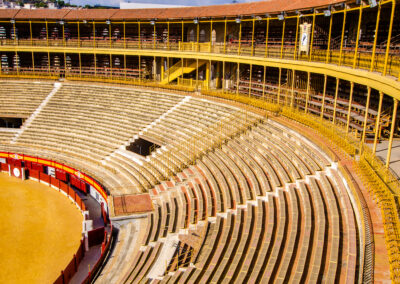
x=177, y=70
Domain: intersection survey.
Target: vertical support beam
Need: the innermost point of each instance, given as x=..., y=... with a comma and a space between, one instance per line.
x=323, y=97
x=307, y=92
x=183, y=31
x=266, y=39
x=329, y=39
x=63, y=34
x=140, y=69
x=251, y=71
x=389, y=37
x=47, y=32
x=168, y=46
x=124, y=65
x=283, y=37
x=197, y=73
x=95, y=64
x=237, y=78
x=297, y=37
x=279, y=86
x=312, y=36
x=223, y=77
x=375, y=38
x=349, y=108
x=124, y=28
x=208, y=74
x=342, y=37
x=79, y=34
x=33, y=62
x=358, y=37
x=15, y=34
x=252, y=38
x=109, y=34
x=211, y=27
x=392, y=133
x=293, y=84
x=140, y=42
x=30, y=31
x=365, y=117
x=225, y=36
x=80, y=65
x=240, y=37
x=154, y=36
x=94, y=34
x=377, y=123
x=265, y=74
x=335, y=103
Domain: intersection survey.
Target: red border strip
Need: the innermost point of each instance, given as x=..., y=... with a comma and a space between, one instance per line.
x=57, y=165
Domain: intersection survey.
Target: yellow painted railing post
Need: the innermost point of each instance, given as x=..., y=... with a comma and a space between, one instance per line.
x=197, y=73
x=378, y=121
x=162, y=68
x=312, y=36
x=225, y=36
x=365, y=118
x=240, y=37
x=266, y=38
x=308, y=92
x=391, y=133
x=211, y=27
x=297, y=37
x=323, y=97
x=283, y=37
x=94, y=34
x=375, y=38
x=342, y=37
x=30, y=31
x=329, y=40
x=336, y=96
x=208, y=73
x=251, y=71
x=293, y=84
x=358, y=37
x=263, y=91
x=349, y=108
x=389, y=37
x=252, y=37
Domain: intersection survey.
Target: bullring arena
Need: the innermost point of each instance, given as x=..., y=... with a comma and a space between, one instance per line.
x=241, y=143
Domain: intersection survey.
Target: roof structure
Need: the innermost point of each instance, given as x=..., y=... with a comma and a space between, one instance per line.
x=214, y=11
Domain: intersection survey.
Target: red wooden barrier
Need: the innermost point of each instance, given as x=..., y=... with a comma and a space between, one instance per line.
x=55, y=182
x=4, y=167
x=64, y=187
x=96, y=236
x=44, y=177
x=61, y=175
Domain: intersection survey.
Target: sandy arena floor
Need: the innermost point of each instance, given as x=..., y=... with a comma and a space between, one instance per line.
x=40, y=230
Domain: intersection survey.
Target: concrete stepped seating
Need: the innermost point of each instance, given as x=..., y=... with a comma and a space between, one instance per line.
x=21, y=99
x=6, y=136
